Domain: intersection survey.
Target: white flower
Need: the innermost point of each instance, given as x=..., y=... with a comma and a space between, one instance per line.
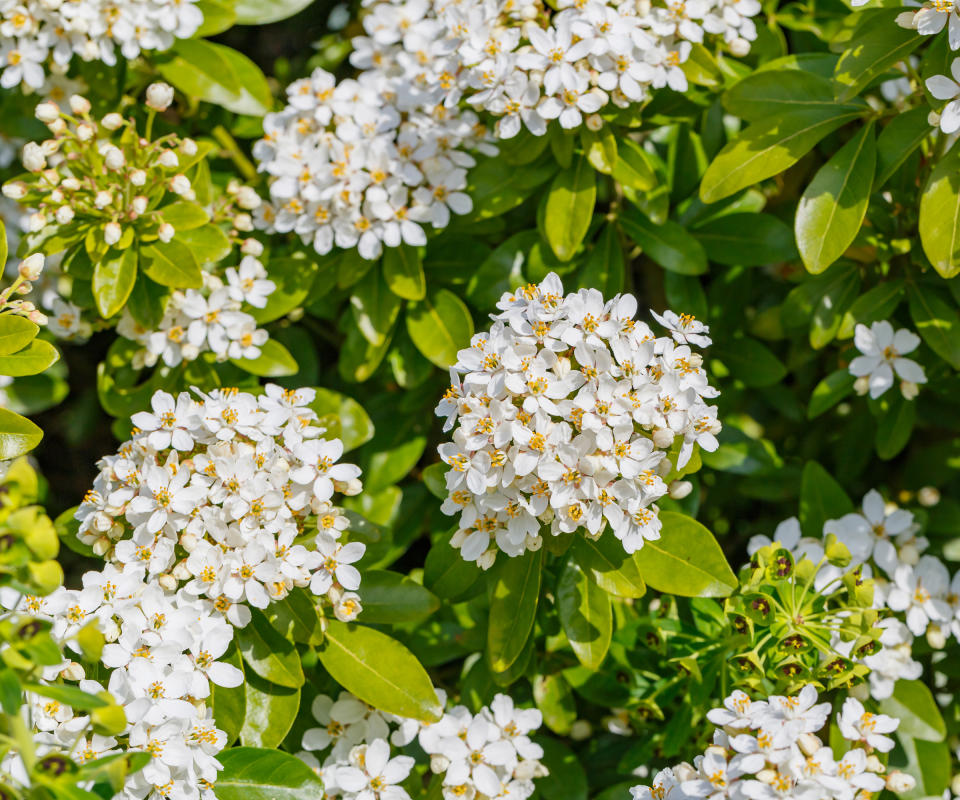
x=859, y=725
x=921, y=591
x=883, y=352
x=377, y=778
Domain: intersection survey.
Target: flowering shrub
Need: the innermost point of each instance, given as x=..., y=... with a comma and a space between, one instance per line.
x=492, y=400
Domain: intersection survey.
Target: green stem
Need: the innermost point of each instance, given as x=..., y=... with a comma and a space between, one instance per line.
x=228, y=143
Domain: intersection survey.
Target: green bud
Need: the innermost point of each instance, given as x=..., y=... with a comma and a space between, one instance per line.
x=45, y=576
x=109, y=720
x=836, y=551
x=91, y=641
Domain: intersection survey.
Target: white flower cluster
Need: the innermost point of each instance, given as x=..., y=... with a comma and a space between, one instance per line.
x=527, y=65
x=229, y=480
x=483, y=756
x=769, y=750
x=197, y=321
x=37, y=36
x=162, y=651
x=564, y=415
x=364, y=163
x=882, y=356
x=883, y=539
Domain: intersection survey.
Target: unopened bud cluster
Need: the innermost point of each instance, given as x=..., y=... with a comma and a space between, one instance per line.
x=28, y=271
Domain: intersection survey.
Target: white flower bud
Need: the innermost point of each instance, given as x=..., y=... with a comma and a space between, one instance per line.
x=168, y=159
x=31, y=267
x=594, y=122
x=114, y=158
x=581, y=730
x=101, y=546
x=112, y=233
x=36, y=222
x=874, y=764
x=58, y=126
x=486, y=560
x=15, y=190
x=936, y=637
x=189, y=147
x=909, y=554
x=251, y=247
x=33, y=157
x=159, y=96
x=79, y=104
x=663, y=438
x=909, y=389
x=899, y=782
x=139, y=204
x=243, y=222
x=680, y=489
x=862, y=385
x=809, y=743
x=86, y=131
x=248, y=198
x=37, y=317
x=47, y=112
x=167, y=582
x=64, y=214
x=138, y=177
x=112, y=122
x=179, y=184
x=73, y=671
x=928, y=496
x=190, y=352
x=439, y=763
x=71, y=184
x=739, y=47
x=166, y=232
x=102, y=199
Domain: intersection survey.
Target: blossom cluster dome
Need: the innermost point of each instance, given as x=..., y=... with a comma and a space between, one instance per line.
x=769, y=749
x=484, y=756
x=563, y=413
x=211, y=494
x=39, y=36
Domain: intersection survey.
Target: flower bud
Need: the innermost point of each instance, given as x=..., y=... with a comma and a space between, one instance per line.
x=663, y=438
x=101, y=546
x=862, y=385
x=31, y=267
x=909, y=389
x=71, y=184
x=248, y=198
x=112, y=233
x=15, y=190
x=36, y=221
x=166, y=232
x=33, y=157
x=112, y=122
x=73, y=671
x=874, y=764
x=190, y=352
x=138, y=177
x=58, y=126
x=739, y=47
x=139, y=204
x=113, y=158
x=167, y=582
x=680, y=489
x=243, y=222
x=159, y=96
x=486, y=560
x=928, y=496
x=179, y=184
x=189, y=147
x=102, y=199
x=581, y=730
x=252, y=247
x=79, y=104
x=898, y=781
x=47, y=112
x=809, y=743
x=936, y=637
x=594, y=122
x=168, y=159
x=37, y=317
x=86, y=131
x=439, y=763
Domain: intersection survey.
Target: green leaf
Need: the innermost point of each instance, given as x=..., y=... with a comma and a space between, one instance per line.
x=343, y=418
x=939, y=223
x=600, y=148
x=746, y=239
x=375, y=307
x=184, y=215
x=229, y=704
x=569, y=208
x=218, y=15
x=445, y=573
x=439, y=326
x=585, y=614
x=554, y=697
x=269, y=712
x=294, y=278
x=274, y=361
x=113, y=278
x=358, y=358
x=77, y=699
x=268, y=654
x=16, y=332
x=217, y=74
x=936, y=319
x=902, y=135
x=832, y=302
x=252, y=774
x=669, y=244
x=31, y=360
x=768, y=147
x=379, y=670
x=390, y=597
x=877, y=44
x=750, y=362
x=208, y=245
x=686, y=560
x=295, y=618
x=496, y=186
x=831, y=211
x=775, y=91
x=263, y=12
x=567, y=779
x=876, y=304
x=895, y=424
x=604, y=267
x=609, y=566
x=403, y=272
x=171, y=264
x=930, y=764
x=830, y=391
x=513, y=607
x=501, y=271
x=633, y=167
x=913, y=704
x=821, y=498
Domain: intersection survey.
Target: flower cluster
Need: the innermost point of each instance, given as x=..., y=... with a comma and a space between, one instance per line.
x=211, y=494
x=211, y=319
x=527, y=65
x=769, y=750
x=39, y=35
x=915, y=587
x=564, y=415
x=483, y=756
x=363, y=164
x=162, y=651
x=882, y=356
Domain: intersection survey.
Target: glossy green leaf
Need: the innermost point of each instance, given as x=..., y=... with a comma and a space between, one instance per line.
x=440, y=325
x=567, y=779
x=343, y=418
x=229, y=704
x=633, y=167
x=879, y=43
x=274, y=361
x=295, y=617
x=253, y=774
x=379, y=670
x=750, y=361
x=501, y=271
x=878, y=303
x=208, y=244
x=390, y=597
x=184, y=215
x=775, y=91
x=937, y=321
x=670, y=245
x=913, y=704
x=768, y=147
x=830, y=391
x=895, y=424
x=218, y=15
x=171, y=264
x=269, y=712
x=746, y=239
x=940, y=216
x=403, y=272
x=686, y=560
x=263, y=12
x=821, y=498
x=600, y=148
x=446, y=574
x=375, y=308
x=902, y=135
x=16, y=332
x=585, y=614
x=554, y=697
x=831, y=211
x=269, y=654
x=513, y=607
x=113, y=278
x=31, y=360
x=604, y=267
x=609, y=565
x=569, y=208
x=294, y=278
